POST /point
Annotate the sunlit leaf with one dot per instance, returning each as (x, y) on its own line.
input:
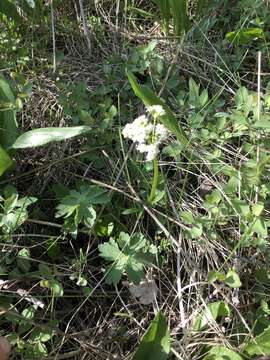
(155, 344)
(222, 353)
(212, 312)
(245, 36)
(38, 137)
(232, 279)
(260, 345)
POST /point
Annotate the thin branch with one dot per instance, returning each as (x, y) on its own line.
(85, 27)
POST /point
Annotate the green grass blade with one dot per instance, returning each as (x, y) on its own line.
(164, 7)
(180, 16)
(200, 6)
(149, 99)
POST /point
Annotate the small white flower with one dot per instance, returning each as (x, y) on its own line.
(156, 110)
(152, 151)
(145, 134)
(161, 133)
(142, 148)
(139, 130)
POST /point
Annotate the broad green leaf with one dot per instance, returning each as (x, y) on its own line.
(211, 313)
(174, 149)
(56, 288)
(149, 99)
(44, 136)
(156, 343)
(23, 260)
(9, 9)
(110, 250)
(187, 217)
(14, 210)
(260, 227)
(193, 92)
(39, 350)
(8, 123)
(196, 231)
(8, 128)
(260, 345)
(241, 206)
(257, 208)
(45, 271)
(29, 312)
(114, 273)
(222, 353)
(6, 93)
(245, 36)
(214, 276)
(41, 335)
(241, 96)
(232, 279)
(5, 161)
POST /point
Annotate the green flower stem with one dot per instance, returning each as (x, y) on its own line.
(154, 182)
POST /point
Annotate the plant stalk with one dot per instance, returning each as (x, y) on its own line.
(154, 182)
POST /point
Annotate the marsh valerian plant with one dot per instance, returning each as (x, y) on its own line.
(147, 133)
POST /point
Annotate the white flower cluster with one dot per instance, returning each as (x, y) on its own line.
(145, 133)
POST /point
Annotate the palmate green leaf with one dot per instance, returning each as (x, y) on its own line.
(222, 353)
(156, 343)
(134, 270)
(5, 161)
(129, 257)
(79, 204)
(14, 210)
(38, 137)
(110, 250)
(149, 99)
